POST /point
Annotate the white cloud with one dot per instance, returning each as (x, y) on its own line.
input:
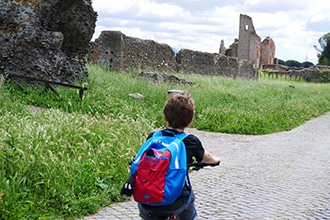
(319, 11)
(162, 10)
(275, 5)
(112, 6)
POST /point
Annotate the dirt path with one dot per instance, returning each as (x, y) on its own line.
(283, 175)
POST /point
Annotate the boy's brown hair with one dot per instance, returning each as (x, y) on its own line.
(179, 110)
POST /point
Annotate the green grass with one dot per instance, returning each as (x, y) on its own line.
(247, 107)
(71, 158)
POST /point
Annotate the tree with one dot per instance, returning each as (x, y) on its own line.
(307, 64)
(281, 62)
(324, 52)
(293, 63)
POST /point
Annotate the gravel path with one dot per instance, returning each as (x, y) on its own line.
(283, 175)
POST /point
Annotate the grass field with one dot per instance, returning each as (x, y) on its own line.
(70, 158)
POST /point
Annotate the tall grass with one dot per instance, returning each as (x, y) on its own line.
(56, 164)
(249, 107)
(70, 158)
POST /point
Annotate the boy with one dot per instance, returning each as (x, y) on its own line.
(178, 112)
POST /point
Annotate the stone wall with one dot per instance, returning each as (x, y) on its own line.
(122, 53)
(246, 70)
(229, 67)
(192, 62)
(107, 50)
(316, 74)
(46, 39)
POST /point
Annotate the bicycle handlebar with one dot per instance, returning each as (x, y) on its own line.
(201, 165)
(195, 165)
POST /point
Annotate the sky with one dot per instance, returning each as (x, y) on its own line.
(295, 26)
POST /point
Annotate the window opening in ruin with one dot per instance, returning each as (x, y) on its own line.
(246, 27)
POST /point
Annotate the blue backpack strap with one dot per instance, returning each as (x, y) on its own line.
(181, 135)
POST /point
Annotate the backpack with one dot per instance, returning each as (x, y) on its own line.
(160, 170)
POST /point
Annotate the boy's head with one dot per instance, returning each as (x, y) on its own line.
(179, 110)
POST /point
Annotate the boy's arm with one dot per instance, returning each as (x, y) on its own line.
(210, 159)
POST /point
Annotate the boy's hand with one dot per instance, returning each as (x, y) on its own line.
(210, 159)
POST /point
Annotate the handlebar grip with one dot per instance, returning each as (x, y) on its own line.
(200, 165)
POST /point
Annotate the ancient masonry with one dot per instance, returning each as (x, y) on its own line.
(119, 52)
(249, 46)
(248, 41)
(122, 53)
(242, 59)
(47, 40)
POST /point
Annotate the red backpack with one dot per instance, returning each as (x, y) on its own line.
(160, 169)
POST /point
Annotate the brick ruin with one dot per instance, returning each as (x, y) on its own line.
(262, 55)
(119, 52)
(242, 59)
(122, 53)
(267, 52)
(248, 41)
(48, 40)
(249, 46)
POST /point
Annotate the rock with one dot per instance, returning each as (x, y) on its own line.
(33, 109)
(46, 39)
(174, 91)
(163, 78)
